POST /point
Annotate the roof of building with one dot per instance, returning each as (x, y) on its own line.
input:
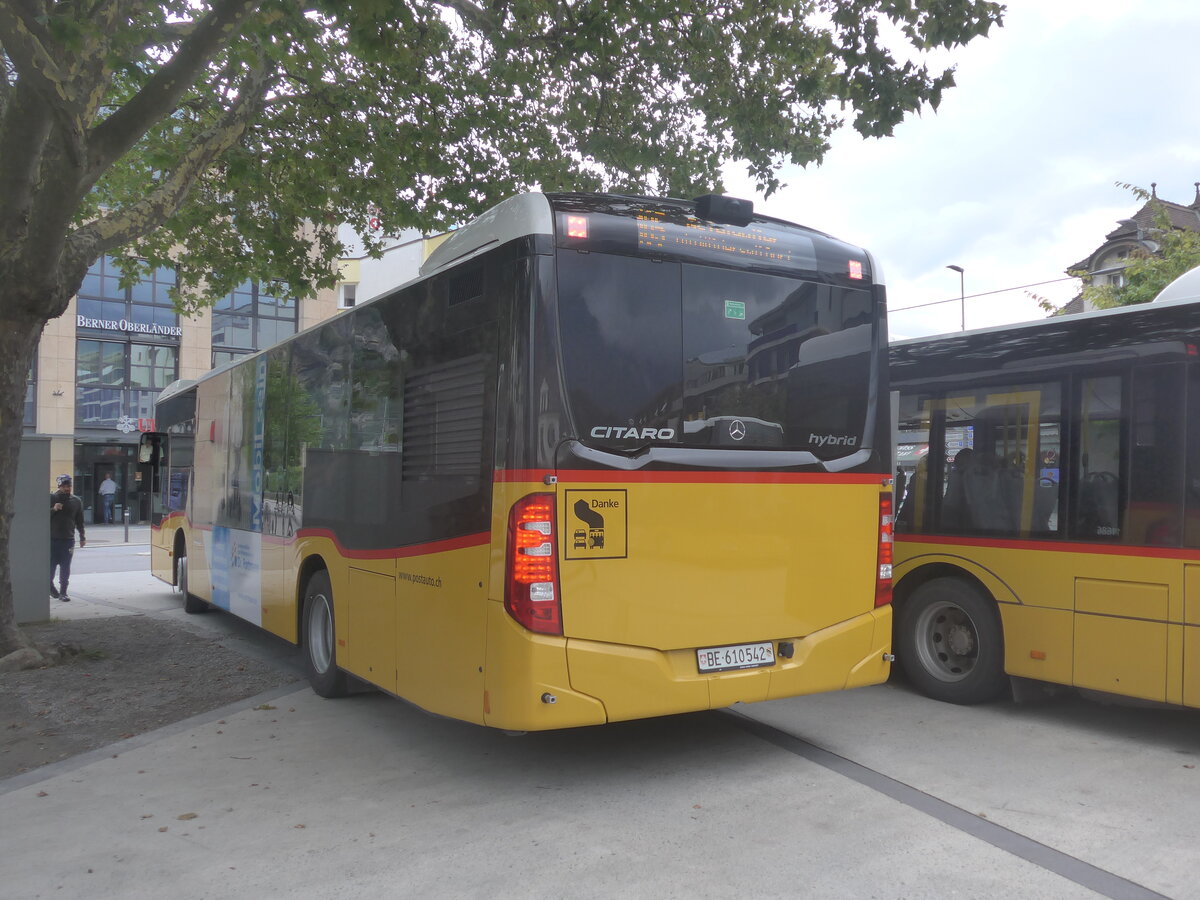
(1185, 217)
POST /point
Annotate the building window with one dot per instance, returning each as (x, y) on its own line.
(30, 419)
(147, 302)
(116, 380)
(253, 316)
(349, 293)
(220, 357)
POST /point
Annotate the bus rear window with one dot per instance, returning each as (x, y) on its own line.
(682, 354)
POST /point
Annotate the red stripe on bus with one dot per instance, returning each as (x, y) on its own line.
(620, 476)
(1051, 546)
(167, 520)
(458, 543)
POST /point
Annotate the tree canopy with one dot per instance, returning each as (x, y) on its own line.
(227, 138)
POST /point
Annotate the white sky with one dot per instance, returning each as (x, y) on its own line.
(1014, 177)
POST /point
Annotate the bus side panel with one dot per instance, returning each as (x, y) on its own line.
(279, 587)
(442, 609)
(162, 547)
(1121, 637)
(199, 554)
(366, 638)
(1115, 630)
(1191, 636)
(412, 623)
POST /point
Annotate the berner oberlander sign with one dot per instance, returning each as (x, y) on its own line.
(126, 325)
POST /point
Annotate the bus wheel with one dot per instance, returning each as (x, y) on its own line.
(320, 656)
(191, 603)
(950, 643)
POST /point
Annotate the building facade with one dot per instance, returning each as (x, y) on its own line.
(101, 365)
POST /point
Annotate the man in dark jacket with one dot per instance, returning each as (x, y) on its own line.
(66, 515)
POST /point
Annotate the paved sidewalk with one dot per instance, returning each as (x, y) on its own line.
(117, 534)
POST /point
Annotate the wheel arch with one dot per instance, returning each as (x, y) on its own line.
(919, 571)
(928, 572)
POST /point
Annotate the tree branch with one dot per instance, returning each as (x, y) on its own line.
(25, 123)
(119, 228)
(124, 128)
(32, 49)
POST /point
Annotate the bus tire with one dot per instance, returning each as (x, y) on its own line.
(950, 642)
(191, 603)
(320, 653)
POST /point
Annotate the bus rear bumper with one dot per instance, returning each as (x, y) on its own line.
(570, 682)
(636, 682)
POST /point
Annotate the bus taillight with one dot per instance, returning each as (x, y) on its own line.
(883, 578)
(531, 585)
(577, 227)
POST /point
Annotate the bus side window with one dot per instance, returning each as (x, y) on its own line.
(1191, 534)
(1096, 513)
(1001, 470)
(912, 462)
(1156, 460)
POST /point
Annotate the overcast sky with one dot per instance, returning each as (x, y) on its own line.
(1013, 178)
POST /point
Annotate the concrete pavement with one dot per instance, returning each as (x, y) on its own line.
(117, 534)
(290, 795)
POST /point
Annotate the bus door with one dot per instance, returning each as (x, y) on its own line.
(1129, 488)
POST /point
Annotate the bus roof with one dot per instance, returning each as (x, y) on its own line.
(1179, 299)
(533, 214)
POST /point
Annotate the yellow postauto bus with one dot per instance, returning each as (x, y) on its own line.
(1050, 521)
(606, 458)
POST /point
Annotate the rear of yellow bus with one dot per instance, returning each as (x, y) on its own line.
(697, 511)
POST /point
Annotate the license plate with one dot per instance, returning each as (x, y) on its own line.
(736, 656)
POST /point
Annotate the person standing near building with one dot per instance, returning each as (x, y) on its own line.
(108, 492)
(66, 516)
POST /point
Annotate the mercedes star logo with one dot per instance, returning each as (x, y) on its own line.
(737, 429)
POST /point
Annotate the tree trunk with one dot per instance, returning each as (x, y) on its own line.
(19, 334)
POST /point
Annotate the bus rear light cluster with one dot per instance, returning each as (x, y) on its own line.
(531, 582)
(577, 227)
(883, 578)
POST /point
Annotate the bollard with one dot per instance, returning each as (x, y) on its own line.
(125, 515)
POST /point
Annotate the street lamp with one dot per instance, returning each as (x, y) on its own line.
(962, 295)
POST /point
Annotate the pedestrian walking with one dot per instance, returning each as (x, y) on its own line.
(66, 517)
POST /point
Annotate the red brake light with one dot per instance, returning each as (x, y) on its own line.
(883, 578)
(855, 270)
(577, 227)
(531, 585)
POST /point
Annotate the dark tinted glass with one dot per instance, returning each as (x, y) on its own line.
(1099, 460)
(788, 360)
(1192, 490)
(660, 352)
(983, 460)
(414, 463)
(619, 319)
(1156, 460)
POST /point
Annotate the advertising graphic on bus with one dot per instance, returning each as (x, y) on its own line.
(605, 458)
